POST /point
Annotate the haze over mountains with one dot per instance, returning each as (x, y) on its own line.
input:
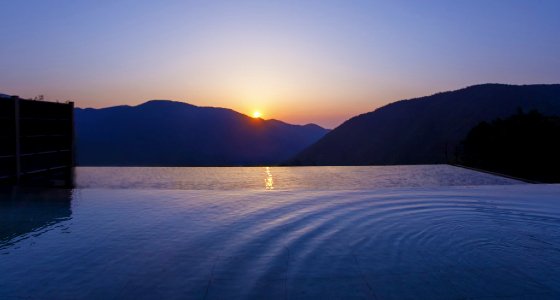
(168, 133)
(425, 130)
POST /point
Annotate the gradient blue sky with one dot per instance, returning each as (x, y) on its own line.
(298, 61)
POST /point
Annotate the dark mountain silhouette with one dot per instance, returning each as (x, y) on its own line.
(525, 145)
(168, 133)
(424, 130)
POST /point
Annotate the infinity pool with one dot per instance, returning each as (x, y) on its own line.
(429, 233)
(446, 242)
(283, 178)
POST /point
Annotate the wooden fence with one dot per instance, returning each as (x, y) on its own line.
(36, 142)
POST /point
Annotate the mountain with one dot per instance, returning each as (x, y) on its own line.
(168, 133)
(424, 130)
(4, 96)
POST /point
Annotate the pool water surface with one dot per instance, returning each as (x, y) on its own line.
(427, 242)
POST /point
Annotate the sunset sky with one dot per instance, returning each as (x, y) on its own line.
(297, 61)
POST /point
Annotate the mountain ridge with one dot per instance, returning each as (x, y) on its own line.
(175, 133)
(426, 129)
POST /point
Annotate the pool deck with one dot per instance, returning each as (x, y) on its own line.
(478, 242)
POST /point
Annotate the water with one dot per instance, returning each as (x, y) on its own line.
(283, 178)
(335, 242)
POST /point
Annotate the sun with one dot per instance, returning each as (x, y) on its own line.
(257, 114)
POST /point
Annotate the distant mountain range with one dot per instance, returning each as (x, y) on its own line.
(168, 133)
(424, 130)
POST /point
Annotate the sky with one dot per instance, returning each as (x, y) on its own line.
(298, 61)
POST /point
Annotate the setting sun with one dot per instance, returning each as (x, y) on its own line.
(257, 114)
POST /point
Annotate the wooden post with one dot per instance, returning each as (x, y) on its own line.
(72, 136)
(72, 162)
(17, 139)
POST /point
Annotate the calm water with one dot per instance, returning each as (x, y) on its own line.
(425, 241)
(283, 178)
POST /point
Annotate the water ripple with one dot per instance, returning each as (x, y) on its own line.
(258, 242)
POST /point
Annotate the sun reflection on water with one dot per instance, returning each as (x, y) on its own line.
(268, 181)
